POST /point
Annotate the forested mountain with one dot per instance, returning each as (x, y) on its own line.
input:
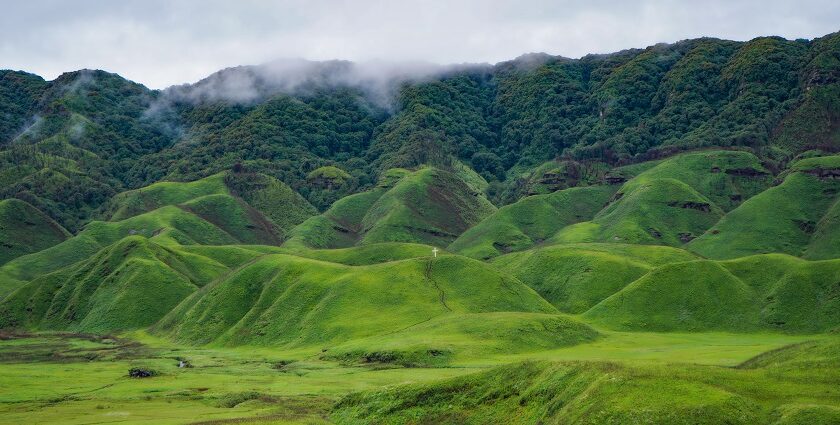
(70, 144)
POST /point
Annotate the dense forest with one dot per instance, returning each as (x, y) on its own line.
(327, 130)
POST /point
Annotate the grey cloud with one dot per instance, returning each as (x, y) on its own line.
(162, 43)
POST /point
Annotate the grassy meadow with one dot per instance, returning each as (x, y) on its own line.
(665, 294)
(76, 379)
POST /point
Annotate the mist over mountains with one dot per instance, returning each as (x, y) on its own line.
(93, 133)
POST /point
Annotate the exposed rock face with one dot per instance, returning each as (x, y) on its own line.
(699, 206)
(745, 172)
(824, 173)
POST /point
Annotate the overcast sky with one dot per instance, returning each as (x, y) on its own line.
(160, 43)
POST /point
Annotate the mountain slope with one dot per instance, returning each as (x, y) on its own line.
(530, 221)
(24, 230)
(128, 285)
(765, 292)
(430, 206)
(576, 277)
(291, 301)
(783, 218)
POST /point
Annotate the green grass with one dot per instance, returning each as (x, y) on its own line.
(659, 212)
(531, 221)
(292, 301)
(24, 230)
(459, 337)
(428, 206)
(135, 202)
(727, 178)
(338, 227)
(67, 379)
(236, 218)
(368, 254)
(766, 292)
(128, 285)
(803, 391)
(215, 219)
(167, 225)
(783, 219)
(576, 277)
(264, 204)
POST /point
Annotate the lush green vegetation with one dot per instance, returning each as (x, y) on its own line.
(431, 206)
(794, 385)
(787, 218)
(24, 230)
(649, 236)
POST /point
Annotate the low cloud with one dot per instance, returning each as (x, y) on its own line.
(160, 43)
(377, 80)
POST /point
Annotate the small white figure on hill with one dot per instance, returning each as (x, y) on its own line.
(434, 252)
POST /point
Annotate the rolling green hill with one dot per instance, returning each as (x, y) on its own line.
(530, 221)
(658, 211)
(785, 218)
(667, 202)
(127, 285)
(24, 230)
(268, 203)
(760, 293)
(576, 277)
(292, 301)
(430, 206)
(673, 201)
(450, 337)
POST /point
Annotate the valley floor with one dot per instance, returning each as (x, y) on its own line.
(79, 379)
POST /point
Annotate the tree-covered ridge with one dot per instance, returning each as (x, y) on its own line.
(70, 144)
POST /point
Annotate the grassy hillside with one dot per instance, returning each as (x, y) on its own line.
(292, 301)
(766, 292)
(168, 225)
(785, 218)
(128, 285)
(773, 390)
(727, 178)
(368, 254)
(24, 230)
(211, 211)
(530, 221)
(461, 337)
(671, 202)
(429, 206)
(576, 277)
(267, 202)
(661, 211)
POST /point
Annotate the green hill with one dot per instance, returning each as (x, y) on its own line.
(268, 203)
(466, 337)
(766, 292)
(786, 218)
(530, 221)
(24, 230)
(292, 301)
(591, 392)
(128, 285)
(658, 211)
(430, 206)
(673, 201)
(727, 178)
(576, 277)
(211, 211)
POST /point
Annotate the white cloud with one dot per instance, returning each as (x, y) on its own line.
(160, 43)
